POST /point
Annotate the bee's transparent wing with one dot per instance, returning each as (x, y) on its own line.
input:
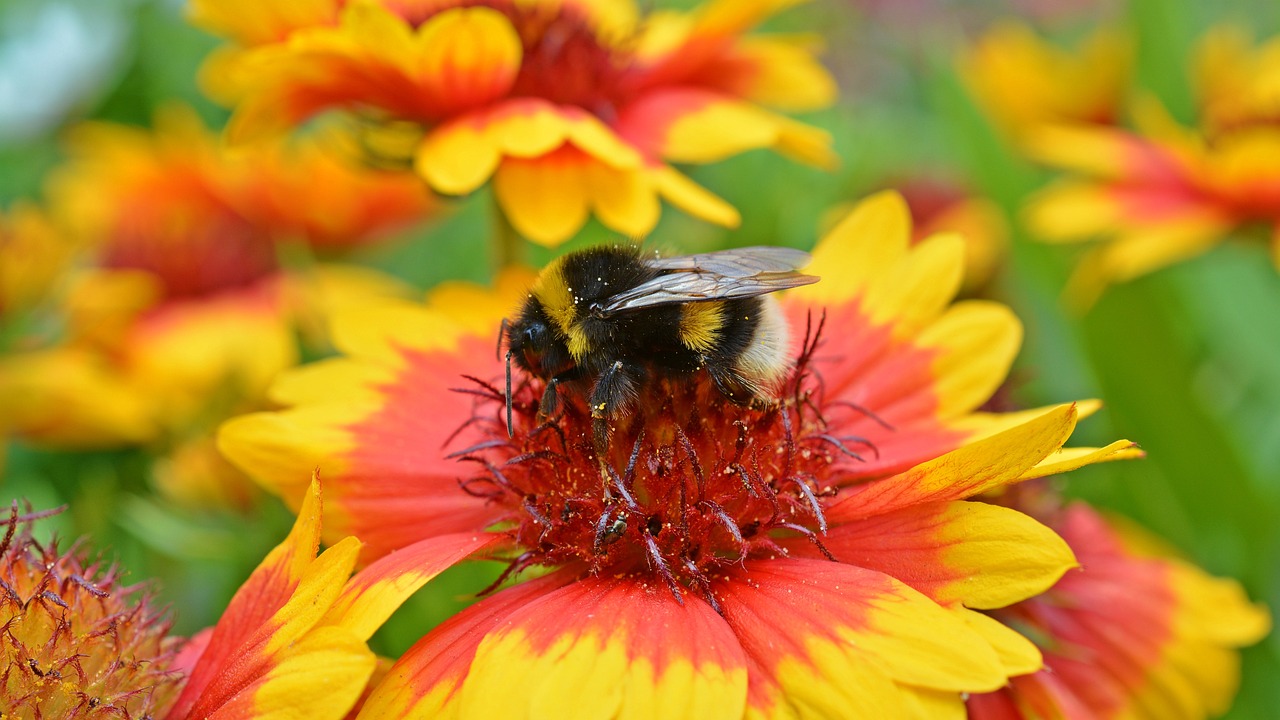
(738, 262)
(724, 275)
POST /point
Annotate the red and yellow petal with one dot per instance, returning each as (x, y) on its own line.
(1133, 633)
(530, 147)
(425, 680)
(675, 48)
(372, 423)
(775, 71)
(972, 469)
(909, 365)
(460, 59)
(293, 638)
(693, 125)
(460, 155)
(375, 592)
(276, 606)
(831, 640)
(970, 553)
(616, 647)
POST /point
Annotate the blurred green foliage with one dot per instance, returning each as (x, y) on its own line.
(1185, 359)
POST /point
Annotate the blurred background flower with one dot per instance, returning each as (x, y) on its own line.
(1135, 631)
(186, 304)
(570, 107)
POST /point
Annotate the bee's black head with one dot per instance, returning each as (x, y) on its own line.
(533, 344)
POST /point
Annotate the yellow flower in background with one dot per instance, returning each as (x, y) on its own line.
(33, 258)
(1237, 83)
(818, 558)
(571, 107)
(1165, 193)
(1023, 82)
(185, 312)
(1134, 632)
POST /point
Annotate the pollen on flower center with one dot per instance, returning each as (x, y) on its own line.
(691, 482)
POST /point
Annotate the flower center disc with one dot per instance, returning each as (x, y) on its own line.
(689, 482)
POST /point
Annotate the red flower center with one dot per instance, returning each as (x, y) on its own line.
(193, 251)
(690, 483)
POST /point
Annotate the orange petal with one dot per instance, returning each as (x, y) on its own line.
(608, 647)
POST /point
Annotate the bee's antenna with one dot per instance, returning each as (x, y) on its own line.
(510, 432)
(502, 335)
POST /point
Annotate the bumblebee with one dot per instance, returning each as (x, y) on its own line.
(607, 321)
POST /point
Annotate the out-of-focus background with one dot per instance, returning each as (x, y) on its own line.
(1187, 359)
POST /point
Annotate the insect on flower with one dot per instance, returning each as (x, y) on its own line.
(606, 322)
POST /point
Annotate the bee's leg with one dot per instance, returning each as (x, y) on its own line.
(551, 396)
(550, 399)
(613, 392)
(732, 385)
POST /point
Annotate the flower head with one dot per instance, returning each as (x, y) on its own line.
(814, 554)
(75, 639)
(1134, 632)
(186, 311)
(576, 96)
(1165, 193)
